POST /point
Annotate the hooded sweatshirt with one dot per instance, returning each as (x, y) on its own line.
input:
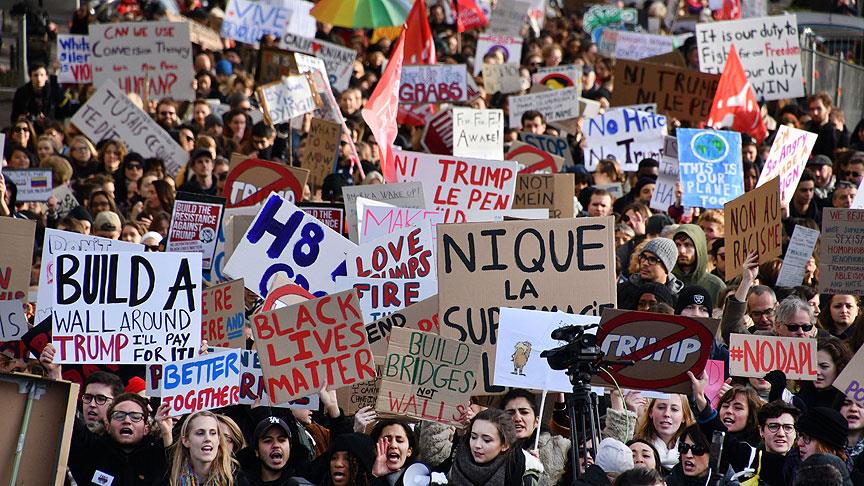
(698, 275)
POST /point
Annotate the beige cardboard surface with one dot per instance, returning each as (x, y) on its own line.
(17, 237)
(422, 316)
(319, 150)
(753, 224)
(552, 191)
(223, 314)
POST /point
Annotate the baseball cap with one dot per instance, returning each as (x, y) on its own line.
(200, 152)
(268, 422)
(820, 160)
(107, 221)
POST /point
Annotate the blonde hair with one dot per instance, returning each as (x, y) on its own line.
(713, 216)
(645, 426)
(223, 466)
(233, 431)
(206, 142)
(86, 141)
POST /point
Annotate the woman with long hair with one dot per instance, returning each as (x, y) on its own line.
(111, 154)
(552, 450)
(395, 448)
(832, 356)
(349, 461)
(694, 450)
(22, 133)
(201, 457)
(662, 424)
(841, 314)
(83, 156)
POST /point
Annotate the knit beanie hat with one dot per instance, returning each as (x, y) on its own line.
(694, 294)
(360, 446)
(613, 456)
(825, 424)
(664, 249)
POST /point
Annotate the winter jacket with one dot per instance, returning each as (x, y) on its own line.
(554, 455)
(699, 274)
(628, 290)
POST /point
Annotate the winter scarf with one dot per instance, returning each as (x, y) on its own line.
(466, 472)
(188, 478)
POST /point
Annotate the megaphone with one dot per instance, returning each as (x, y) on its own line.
(417, 474)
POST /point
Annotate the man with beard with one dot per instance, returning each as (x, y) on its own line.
(267, 461)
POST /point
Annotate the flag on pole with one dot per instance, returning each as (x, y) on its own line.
(735, 104)
(380, 111)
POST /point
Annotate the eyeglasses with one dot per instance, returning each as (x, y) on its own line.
(649, 259)
(775, 427)
(100, 399)
(697, 450)
(796, 327)
(804, 438)
(119, 416)
(756, 315)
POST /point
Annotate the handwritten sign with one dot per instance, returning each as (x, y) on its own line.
(850, 380)
(753, 223)
(502, 78)
(407, 253)
(319, 150)
(66, 200)
(252, 386)
(557, 146)
(558, 77)
(435, 83)
(841, 265)
(314, 343)
(358, 395)
(338, 60)
(202, 383)
(554, 104)
(768, 48)
(223, 315)
(381, 221)
(478, 133)
(508, 17)
(33, 184)
(710, 167)
(627, 135)
(247, 21)
(787, 158)
(754, 356)
(195, 223)
(551, 191)
(798, 254)
(126, 308)
(622, 44)
(73, 52)
(428, 377)
(422, 316)
(664, 191)
(510, 48)
(13, 320)
(383, 296)
(291, 97)
(407, 194)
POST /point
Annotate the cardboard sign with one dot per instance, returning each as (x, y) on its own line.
(428, 377)
(407, 253)
(311, 344)
(622, 44)
(508, 17)
(768, 48)
(319, 150)
(609, 16)
(798, 253)
(422, 316)
(358, 395)
(73, 53)
(457, 184)
(665, 347)
(380, 297)
(331, 214)
(274, 63)
(216, 275)
(195, 223)
(558, 77)
(13, 321)
(841, 265)
(66, 200)
(17, 236)
(678, 92)
(554, 104)
(126, 308)
(152, 59)
(787, 159)
(406, 194)
(109, 114)
(381, 221)
(557, 146)
(202, 383)
(339, 60)
(247, 21)
(292, 96)
(252, 386)
(223, 315)
(557, 265)
(250, 181)
(478, 133)
(510, 47)
(715, 369)
(664, 191)
(709, 162)
(850, 381)
(625, 134)
(283, 239)
(754, 356)
(58, 242)
(753, 223)
(433, 83)
(551, 191)
(532, 160)
(199, 33)
(502, 78)
(33, 184)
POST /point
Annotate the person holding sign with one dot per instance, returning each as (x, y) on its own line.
(552, 450)
(203, 456)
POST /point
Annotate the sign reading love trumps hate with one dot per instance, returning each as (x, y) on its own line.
(311, 344)
(202, 383)
(126, 308)
(408, 253)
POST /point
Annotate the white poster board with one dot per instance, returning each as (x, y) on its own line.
(628, 135)
(478, 133)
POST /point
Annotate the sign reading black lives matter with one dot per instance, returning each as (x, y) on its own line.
(126, 308)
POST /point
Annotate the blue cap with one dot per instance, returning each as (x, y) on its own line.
(224, 67)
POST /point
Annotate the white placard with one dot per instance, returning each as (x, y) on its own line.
(503, 78)
(436, 83)
(383, 296)
(555, 105)
(510, 47)
(478, 133)
(634, 46)
(33, 184)
(339, 60)
(406, 253)
(508, 17)
(201, 383)
(289, 98)
(798, 253)
(787, 158)
(13, 320)
(381, 221)
(248, 20)
(628, 135)
(664, 192)
(73, 54)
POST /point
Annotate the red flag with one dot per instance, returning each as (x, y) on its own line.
(380, 111)
(419, 44)
(735, 104)
(469, 16)
(731, 10)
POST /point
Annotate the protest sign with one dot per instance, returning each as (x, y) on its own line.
(57, 242)
(502, 78)
(678, 92)
(406, 253)
(73, 53)
(274, 63)
(202, 383)
(787, 158)
(339, 60)
(438, 133)
(252, 386)
(223, 314)
(557, 146)
(195, 223)
(407, 194)
(457, 184)
(34, 185)
(247, 20)
(798, 254)
(199, 33)
(709, 163)
(284, 239)
(551, 191)
(841, 264)
(753, 223)
(768, 48)
(380, 221)
(478, 133)
(125, 307)
(565, 264)
(715, 371)
(508, 17)
(533, 160)
(664, 191)
(109, 114)
(290, 97)
(649, 107)
(319, 150)
(152, 59)
(428, 377)
(250, 181)
(522, 336)
(509, 47)
(754, 356)
(664, 348)
(17, 236)
(215, 274)
(609, 15)
(422, 316)
(554, 104)
(624, 45)
(850, 380)
(558, 77)
(358, 395)
(433, 83)
(628, 135)
(382, 296)
(66, 201)
(331, 214)
(310, 344)
(13, 321)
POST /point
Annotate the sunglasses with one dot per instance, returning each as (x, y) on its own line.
(796, 327)
(697, 450)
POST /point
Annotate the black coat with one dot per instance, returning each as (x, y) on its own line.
(143, 465)
(28, 102)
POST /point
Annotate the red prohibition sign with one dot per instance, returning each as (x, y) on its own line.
(285, 181)
(689, 329)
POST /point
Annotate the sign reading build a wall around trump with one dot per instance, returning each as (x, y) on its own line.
(553, 265)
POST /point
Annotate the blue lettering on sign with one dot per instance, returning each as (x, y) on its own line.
(248, 21)
(199, 371)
